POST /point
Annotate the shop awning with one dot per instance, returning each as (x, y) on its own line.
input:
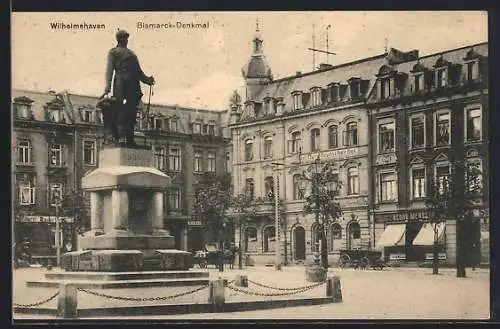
(393, 235)
(426, 235)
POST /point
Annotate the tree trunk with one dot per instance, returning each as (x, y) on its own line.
(460, 251)
(435, 260)
(221, 258)
(324, 252)
(240, 263)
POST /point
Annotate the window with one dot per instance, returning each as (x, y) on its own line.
(55, 194)
(442, 77)
(336, 231)
(419, 82)
(443, 129)
(269, 237)
(158, 123)
(174, 159)
(333, 136)
(89, 153)
(211, 129)
(335, 93)
(248, 150)
(315, 139)
(174, 198)
(298, 193)
(269, 187)
(173, 124)
(472, 70)
(24, 152)
(387, 187)
(473, 124)
(211, 161)
(352, 181)
(27, 190)
(442, 178)
(251, 234)
(159, 158)
(268, 147)
(23, 110)
(297, 101)
(294, 143)
(100, 116)
(56, 154)
(474, 176)
(351, 134)
(418, 183)
(197, 128)
(386, 137)
(198, 161)
(417, 128)
(316, 97)
(228, 161)
(249, 187)
(385, 88)
(88, 116)
(55, 115)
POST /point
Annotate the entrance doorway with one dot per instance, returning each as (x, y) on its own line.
(299, 238)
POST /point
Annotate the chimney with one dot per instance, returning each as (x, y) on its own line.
(298, 73)
(324, 66)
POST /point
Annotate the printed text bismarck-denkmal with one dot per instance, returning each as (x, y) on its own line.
(171, 25)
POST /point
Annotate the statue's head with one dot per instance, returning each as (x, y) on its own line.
(122, 37)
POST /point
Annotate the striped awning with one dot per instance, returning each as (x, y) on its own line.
(425, 236)
(393, 235)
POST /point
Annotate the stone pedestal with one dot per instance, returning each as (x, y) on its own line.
(127, 234)
(316, 273)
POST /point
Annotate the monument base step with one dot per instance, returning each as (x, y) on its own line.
(127, 260)
(118, 276)
(95, 284)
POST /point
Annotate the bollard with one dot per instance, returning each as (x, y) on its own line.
(67, 301)
(337, 290)
(216, 295)
(329, 288)
(241, 281)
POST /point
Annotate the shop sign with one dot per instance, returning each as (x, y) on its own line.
(333, 155)
(194, 223)
(383, 159)
(45, 219)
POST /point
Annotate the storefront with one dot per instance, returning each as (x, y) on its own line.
(39, 236)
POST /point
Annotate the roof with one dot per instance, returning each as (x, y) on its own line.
(257, 68)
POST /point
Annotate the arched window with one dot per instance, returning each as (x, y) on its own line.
(294, 143)
(298, 193)
(315, 139)
(351, 134)
(335, 237)
(315, 234)
(354, 235)
(248, 150)
(269, 187)
(333, 136)
(250, 238)
(268, 239)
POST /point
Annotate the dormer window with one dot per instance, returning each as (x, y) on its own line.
(335, 92)
(418, 82)
(442, 77)
(158, 123)
(472, 73)
(315, 96)
(88, 116)
(211, 129)
(355, 88)
(197, 128)
(297, 100)
(173, 124)
(22, 107)
(385, 88)
(55, 115)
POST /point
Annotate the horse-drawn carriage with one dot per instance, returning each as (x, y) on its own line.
(211, 256)
(361, 259)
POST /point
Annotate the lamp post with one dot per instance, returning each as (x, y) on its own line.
(277, 224)
(57, 205)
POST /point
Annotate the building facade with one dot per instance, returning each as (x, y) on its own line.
(427, 115)
(283, 127)
(56, 140)
(381, 123)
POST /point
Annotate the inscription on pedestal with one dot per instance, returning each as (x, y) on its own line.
(125, 157)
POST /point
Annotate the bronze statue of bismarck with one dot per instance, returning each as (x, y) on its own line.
(120, 110)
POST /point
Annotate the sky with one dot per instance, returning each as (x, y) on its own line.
(201, 67)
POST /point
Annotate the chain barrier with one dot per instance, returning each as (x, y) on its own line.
(285, 289)
(286, 293)
(145, 299)
(38, 303)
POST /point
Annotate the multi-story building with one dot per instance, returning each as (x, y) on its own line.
(427, 115)
(283, 127)
(388, 124)
(56, 140)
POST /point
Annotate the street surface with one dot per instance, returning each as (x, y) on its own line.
(395, 293)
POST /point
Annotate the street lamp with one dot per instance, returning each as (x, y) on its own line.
(57, 204)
